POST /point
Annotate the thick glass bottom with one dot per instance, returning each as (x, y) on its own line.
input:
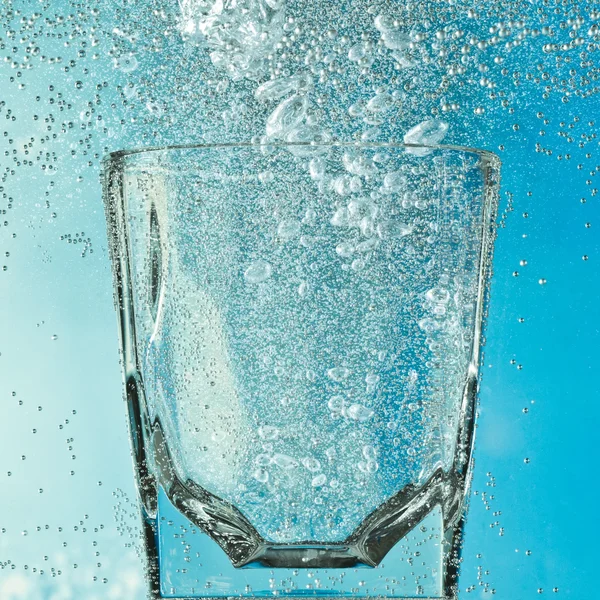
(187, 563)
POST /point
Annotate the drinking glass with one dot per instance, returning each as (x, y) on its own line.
(301, 327)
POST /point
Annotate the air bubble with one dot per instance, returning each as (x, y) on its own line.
(319, 480)
(258, 272)
(358, 412)
(338, 374)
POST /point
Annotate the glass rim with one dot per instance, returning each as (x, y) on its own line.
(128, 152)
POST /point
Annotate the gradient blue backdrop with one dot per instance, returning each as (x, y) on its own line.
(68, 506)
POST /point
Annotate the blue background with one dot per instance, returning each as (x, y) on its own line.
(68, 502)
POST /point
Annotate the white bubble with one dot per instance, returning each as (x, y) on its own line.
(312, 464)
(261, 475)
(303, 288)
(266, 176)
(357, 52)
(330, 453)
(276, 88)
(370, 452)
(367, 228)
(341, 185)
(268, 432)
(403, 61)
(429, 133)
(126, 63)
(438, 295)
(340, 217)
(396, 40)
(371, 135)
(308, 241)
(380, 103)
(262, 460)
(355, 184)
(319, 480)
(288, 229)
(358, 412)
(129, 91)
(338, 373)
(336, 404)
(345, 249)
(258, 272)
(428, 325)
(384, 23)
(381, 157)
(394, 181)
(393, 229)
(316, 168)
(284, 461)
(287, 116)
(372, 379)
(310, 216)
(357, 264)
(359, 209)
(358, 164)
(218, 436)
(367, 245)
(311, 140)
(357, 109)
(372, 466)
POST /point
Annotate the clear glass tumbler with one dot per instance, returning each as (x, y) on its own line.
(301, 328)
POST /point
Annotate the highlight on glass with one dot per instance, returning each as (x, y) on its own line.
(301, 329)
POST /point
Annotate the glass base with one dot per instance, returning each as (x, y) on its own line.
(187, 563)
